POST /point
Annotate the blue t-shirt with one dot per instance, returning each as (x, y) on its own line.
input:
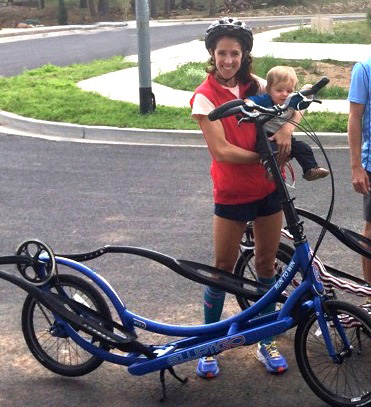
(360, 92)
(265, 100)
(275, 123)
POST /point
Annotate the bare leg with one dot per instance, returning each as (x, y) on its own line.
(227, 237)
(267, 232)
(366, 263)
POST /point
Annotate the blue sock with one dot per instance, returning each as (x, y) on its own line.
(213, 304)
(268, 282)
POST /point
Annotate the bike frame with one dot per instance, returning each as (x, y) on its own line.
(244, 328)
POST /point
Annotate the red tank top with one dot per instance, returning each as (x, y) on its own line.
(235, 183)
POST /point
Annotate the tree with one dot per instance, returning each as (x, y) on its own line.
(62, 13)
(93, 12)
(166, 8)
(212, 9)
(153, 8)
(126, 9)
(103, 7)
(83, 4)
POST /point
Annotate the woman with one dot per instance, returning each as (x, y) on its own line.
(241, 191)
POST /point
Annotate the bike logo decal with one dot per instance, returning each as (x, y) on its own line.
(284, 275)
(139, 323)
(212, 348)
(315, 267)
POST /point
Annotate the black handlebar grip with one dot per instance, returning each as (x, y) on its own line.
(218, 112)
(316, 87)
(233, 111)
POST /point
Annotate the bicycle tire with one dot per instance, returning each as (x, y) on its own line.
(245, 267)
(347, 384)
(48, 342)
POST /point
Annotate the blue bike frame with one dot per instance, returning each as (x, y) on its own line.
(245, 328)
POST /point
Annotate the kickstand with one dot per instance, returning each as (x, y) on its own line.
(162, 380)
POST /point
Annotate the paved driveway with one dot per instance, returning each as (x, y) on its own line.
(78, 197)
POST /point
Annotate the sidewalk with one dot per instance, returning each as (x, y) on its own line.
(124, 85)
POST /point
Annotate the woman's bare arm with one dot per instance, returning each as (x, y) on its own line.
(220, 148)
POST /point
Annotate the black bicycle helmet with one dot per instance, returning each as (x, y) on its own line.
(229, 26)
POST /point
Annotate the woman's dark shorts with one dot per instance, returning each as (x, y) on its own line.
(267, 206)
(367, 203)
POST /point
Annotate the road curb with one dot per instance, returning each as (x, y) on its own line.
(4, 33)
(133, 135)
(102, 133)
(14, 32)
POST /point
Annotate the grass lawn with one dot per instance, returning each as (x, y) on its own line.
(51, 93)
(354, 32)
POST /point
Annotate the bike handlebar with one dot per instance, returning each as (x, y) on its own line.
(237, 106)
(316, 87)
(219, 111)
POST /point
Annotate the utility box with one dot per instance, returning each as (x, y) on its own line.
(322, 24)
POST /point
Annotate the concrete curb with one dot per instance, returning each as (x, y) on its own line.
(13, 32)
(4, 33)
(130, 135)
(102, 133)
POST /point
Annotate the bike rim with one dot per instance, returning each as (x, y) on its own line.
(51, 337)
(347, 383)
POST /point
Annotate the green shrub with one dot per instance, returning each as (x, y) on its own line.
(354, 32)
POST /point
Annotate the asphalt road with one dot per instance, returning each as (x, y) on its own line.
(86, 46)
(78, 197)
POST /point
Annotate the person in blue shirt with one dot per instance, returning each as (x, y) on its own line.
(359, 137)
(281, 81)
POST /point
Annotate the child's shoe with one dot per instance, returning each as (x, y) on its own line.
(269, 355)
(315, 173)
(207, 367)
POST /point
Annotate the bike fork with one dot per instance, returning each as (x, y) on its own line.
(321, 310)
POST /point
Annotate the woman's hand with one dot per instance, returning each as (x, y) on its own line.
(283, 140)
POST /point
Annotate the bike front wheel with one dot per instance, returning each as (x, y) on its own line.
(47, 339)
(345, 383)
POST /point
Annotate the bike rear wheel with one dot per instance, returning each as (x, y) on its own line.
(48, 341)
(245, 267)
(343, 384)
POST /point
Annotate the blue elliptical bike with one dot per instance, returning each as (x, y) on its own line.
(332, 339)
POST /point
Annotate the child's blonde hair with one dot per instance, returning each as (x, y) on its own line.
(280, 74)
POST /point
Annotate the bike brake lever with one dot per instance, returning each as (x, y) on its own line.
(248, 118)
(317, 101)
